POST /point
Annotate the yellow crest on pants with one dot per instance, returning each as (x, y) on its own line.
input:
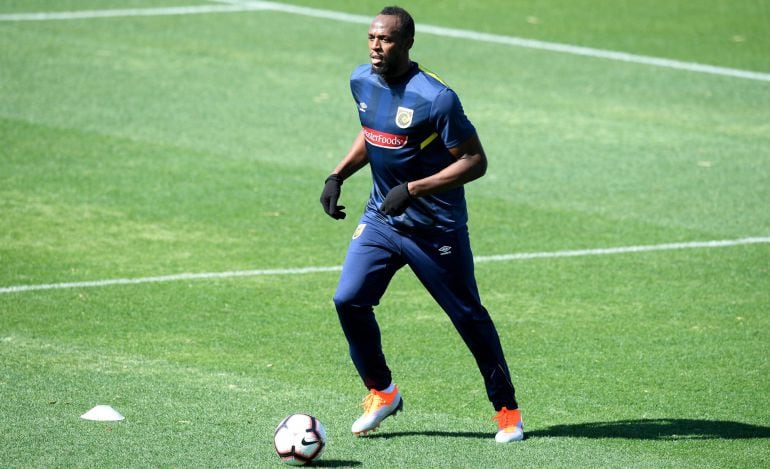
(359, 230)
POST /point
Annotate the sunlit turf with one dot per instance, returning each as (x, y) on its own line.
(140, 147)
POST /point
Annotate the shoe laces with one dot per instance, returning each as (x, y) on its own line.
(375, 399)
(507, 419)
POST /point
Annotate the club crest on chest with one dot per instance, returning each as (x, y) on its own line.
(404, 117)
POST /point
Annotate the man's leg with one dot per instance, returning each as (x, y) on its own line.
(444, 264)
(369, 266)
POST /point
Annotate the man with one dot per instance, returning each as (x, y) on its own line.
(421, 149)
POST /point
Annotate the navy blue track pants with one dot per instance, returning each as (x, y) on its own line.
(443, 262)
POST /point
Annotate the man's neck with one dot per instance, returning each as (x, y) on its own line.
(396, 76)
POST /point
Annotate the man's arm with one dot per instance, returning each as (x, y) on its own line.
(470, 163)
(355, 159)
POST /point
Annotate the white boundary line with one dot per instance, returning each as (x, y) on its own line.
(625, 249)
(231, 6)
(311, 270)
(117, 13)
(518, 42)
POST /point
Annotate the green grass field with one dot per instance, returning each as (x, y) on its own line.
(134, 147)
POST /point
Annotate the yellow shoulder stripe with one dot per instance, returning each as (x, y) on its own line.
(428, 72)
(427, 141)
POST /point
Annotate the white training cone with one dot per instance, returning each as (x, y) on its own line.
(102, 413)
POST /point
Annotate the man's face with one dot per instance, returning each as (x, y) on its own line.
(388, 50)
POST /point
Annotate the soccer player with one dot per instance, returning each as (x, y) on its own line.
(421, 149)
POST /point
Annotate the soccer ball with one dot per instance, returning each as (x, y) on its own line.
(299, 439)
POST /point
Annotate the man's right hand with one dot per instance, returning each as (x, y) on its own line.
(330, 196)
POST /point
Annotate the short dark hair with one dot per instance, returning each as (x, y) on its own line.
(406, 23)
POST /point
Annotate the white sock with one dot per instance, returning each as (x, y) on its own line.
(389, 388)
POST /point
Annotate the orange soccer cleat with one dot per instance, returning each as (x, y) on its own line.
(510, 426)
(378, 405)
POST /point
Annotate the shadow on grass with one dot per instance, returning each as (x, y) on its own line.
(335, 463)
(658, 429)
(436, 433)
(648, 429)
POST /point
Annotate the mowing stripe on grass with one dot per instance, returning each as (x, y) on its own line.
(232, 6)
(310, 270)
(518, 42)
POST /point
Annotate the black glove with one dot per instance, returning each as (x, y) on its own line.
(397, 200)
(331, 195)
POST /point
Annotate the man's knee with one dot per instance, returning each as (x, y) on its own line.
(348, 304)
(342, 301)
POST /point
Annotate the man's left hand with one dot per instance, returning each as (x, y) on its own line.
(397, 200)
